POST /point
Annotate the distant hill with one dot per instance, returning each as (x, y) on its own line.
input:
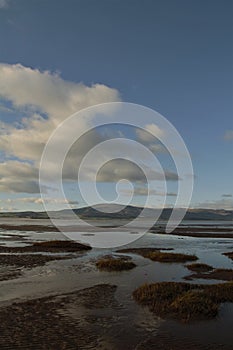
(128, 212)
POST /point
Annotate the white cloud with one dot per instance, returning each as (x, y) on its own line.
(150, 132)
(228, 136)
(4, 209)
(42, 92)
(16, 176)
(49, 92)
(114, 170)
(111, 171)
(46, 100)
(152, 142)
(4, 4)
(226, 204)
(38, 200)
(143, 191)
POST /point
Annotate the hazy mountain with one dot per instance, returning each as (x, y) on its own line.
(128, 212)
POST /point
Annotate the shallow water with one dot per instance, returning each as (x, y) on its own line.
(132, 322)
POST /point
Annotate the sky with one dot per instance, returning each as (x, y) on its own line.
(173, 56)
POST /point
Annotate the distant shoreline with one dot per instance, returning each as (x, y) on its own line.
(121, 212)
(189, 231)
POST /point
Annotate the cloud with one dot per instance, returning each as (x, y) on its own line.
(4, 4)
(226, 204)
(38, 200)
(227, 195)
(138, 191)
(16, 176)
(3, 209)
(118, 169)
(19, 186)
(17, 169)
(228, 136)
(46, 100)
(39, 93)
(112, 170)
(48, 92)
(146, 134)
(152, 142)
(143, 191)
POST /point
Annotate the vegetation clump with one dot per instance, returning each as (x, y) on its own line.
(63, 245)
(199, 267)
(55, 246)
(203, 232)
(215, 274)
(184, 301)
(229, 255)
(141, 251)
(170, 257)
(156, 255)
(110, 263)
(193, 305)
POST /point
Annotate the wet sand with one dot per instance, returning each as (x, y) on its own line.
(29, 260)
(47, 323)
(9, 273)
(166, 340)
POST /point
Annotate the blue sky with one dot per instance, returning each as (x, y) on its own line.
(174, 56)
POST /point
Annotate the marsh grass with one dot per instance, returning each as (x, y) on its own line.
(63, 245)
(199, 267)
(110, 263)
(170, 257)
(156, 255)
(184, 301)
(229, 255)
(193, 305)
(55, 246)
(215, 274)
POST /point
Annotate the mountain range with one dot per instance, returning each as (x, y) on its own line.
(123, 212)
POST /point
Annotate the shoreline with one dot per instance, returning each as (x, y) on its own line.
(189, 231)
